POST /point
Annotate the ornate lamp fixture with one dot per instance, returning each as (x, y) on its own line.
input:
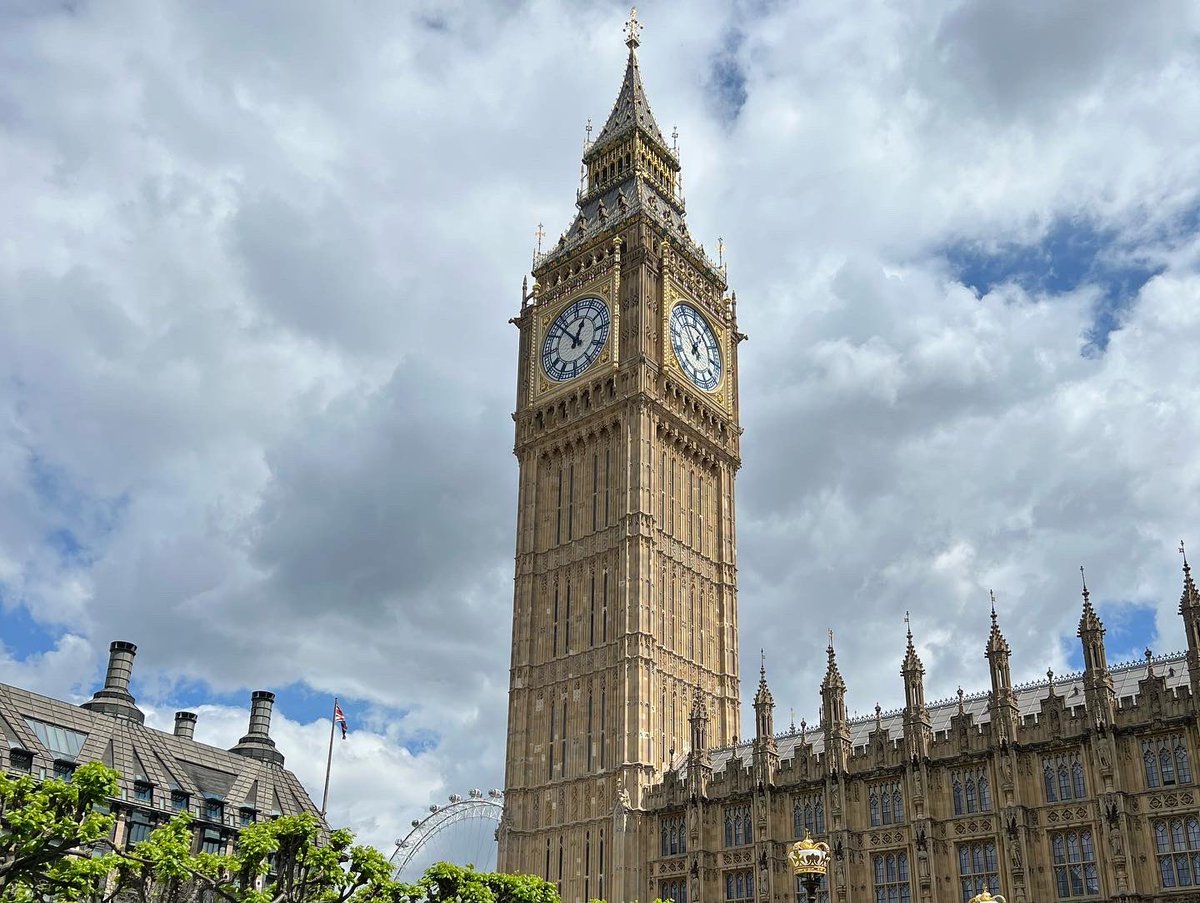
(809, 861)
(986, 897)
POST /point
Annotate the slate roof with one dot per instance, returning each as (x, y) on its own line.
(141, 753)
(1125, 678)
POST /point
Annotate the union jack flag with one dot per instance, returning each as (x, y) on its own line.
(339, 718)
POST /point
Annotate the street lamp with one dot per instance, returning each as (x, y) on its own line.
(986, 897)
(809, 861)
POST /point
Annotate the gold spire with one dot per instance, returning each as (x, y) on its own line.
(633, 30)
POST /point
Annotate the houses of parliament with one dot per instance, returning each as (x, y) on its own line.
(625, 775)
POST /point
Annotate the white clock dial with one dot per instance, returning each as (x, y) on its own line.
(695, 346)
(575, 339)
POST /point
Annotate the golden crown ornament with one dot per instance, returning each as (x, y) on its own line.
(986, 897)
(808, 857)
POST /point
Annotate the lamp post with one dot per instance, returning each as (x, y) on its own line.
(986, 897)
(809, 861)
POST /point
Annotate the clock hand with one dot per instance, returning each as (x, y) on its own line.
(575, 341)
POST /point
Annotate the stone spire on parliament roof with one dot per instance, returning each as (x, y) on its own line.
(1089, 621)
(1189, 598)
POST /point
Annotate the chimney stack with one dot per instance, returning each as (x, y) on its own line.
(257, 744)
(185, 725)
(114, 697)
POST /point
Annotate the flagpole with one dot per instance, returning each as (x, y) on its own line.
(329, 759)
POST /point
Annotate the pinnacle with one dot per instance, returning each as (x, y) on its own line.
(631, 109)
(833, 677)
(1189, 599)
(996, 641)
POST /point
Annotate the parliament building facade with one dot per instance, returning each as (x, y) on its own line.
(625, 777)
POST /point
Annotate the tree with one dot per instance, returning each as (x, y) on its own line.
(48, 830)
(447, 883)
(56, 842)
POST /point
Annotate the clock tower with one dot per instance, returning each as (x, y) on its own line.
(625, 597)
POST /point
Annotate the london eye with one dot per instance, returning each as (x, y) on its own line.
(463, 832)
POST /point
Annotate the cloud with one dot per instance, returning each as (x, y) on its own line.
(256, 371)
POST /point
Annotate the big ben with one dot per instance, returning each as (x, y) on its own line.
(627, 439)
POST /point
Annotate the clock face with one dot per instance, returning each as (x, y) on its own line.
(695, 347)
(575, 339)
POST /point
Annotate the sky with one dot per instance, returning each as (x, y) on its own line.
(257, 263)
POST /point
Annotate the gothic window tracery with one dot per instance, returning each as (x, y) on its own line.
(1074, 856)
(738, 830)
(971, 791)
(1062, 777)
(1166, 761)
(674, 836)
(808, 814)
(1177, 845)
(891, 878)
(886, 804)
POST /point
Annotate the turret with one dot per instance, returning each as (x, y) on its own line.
(766, 753)
(917, 726)
(833, 714)
(1189, 609)
(1097, 682)
(1004, 699)
(699, 762)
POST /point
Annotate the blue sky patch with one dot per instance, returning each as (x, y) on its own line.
(23, 635)
(1129, 627)
(727, 80)
(1073, 253)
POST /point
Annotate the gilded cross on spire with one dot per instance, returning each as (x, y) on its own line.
(633, 29)
(539, 235)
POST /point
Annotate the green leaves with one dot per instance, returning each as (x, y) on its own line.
(56, 842)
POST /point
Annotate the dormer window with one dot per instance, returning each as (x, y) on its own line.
(214, 810)
(179, 800)
(246, 816)
(20, 760)
(143, 792)
(63, 769)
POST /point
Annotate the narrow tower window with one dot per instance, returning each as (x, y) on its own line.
(571, 502)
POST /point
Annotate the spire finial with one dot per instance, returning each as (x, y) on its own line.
(587, 141)
(961, 707)
(803, 731)
(793, 728)
(1183, 551)
(1083, 577)
(675, 139)
(908, 626)
(1050, 678)
(992, 596)
(830, 648)
(633, 30)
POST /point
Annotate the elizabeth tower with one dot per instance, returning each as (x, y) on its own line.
(625, 599)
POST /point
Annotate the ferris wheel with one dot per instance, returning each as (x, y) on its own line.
(462, 832)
